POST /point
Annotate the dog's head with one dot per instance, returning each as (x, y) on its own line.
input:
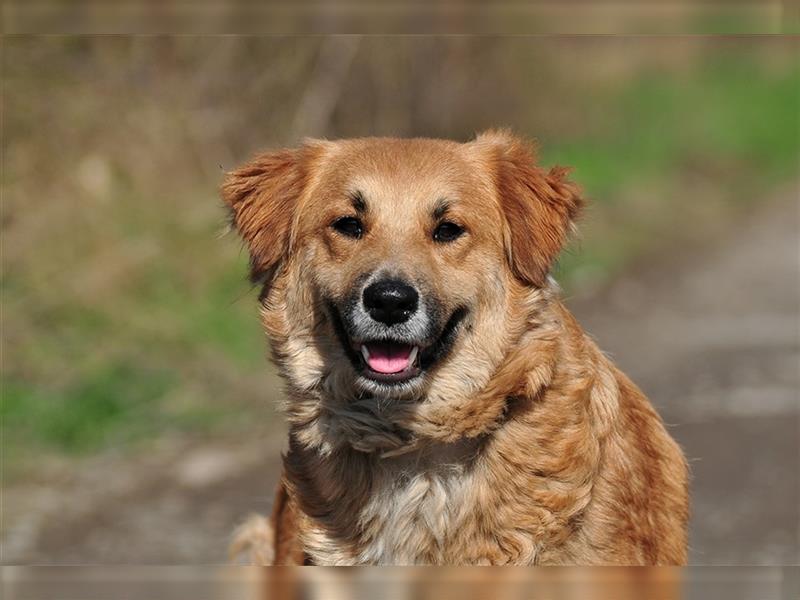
(395, 268)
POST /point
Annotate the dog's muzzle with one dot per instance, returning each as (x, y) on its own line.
(391, 334)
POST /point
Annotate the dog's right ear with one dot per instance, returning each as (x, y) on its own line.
(262, 196)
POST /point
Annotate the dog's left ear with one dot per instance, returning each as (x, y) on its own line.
(262, 196)
(539, 205)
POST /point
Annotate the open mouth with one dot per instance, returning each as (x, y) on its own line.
(392, 361)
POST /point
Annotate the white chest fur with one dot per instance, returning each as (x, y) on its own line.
(416, 505)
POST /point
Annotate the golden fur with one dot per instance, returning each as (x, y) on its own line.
(524, 445)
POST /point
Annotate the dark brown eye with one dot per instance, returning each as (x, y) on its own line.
(447, 232)
(349, 226)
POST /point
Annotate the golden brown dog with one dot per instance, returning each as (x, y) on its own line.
(444, 407)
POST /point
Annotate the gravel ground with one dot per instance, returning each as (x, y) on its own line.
(710, 333)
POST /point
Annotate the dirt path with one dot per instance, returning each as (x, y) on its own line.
(712, 337)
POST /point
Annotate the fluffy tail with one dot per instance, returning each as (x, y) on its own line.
(253, 542)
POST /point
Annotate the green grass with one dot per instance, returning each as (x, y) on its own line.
(723, 116)
(730, 123)
(114, 401)
(167, 345)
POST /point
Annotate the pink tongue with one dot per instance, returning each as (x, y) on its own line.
(388, 358)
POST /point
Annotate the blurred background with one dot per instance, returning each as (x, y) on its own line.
(138, 408)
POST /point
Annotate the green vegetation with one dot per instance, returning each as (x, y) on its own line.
(726, 121)
(731, 117)
(126, 316)
(116, 400)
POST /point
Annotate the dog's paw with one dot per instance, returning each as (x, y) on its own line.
(253, 542)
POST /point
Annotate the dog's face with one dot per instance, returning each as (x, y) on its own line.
(398, 251)
(396, 264)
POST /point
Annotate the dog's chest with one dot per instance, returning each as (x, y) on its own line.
(443, 508)
(410, 518)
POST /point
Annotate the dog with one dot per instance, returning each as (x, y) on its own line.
(444, 407)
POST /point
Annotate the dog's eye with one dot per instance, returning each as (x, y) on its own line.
(447, 232)
(349, 226)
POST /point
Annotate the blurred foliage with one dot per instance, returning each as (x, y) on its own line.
(127, 316)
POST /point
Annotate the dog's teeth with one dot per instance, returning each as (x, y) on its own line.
(413, 356)
(364, 352)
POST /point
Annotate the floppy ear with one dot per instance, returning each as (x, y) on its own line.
(539, 205)
(262, 196)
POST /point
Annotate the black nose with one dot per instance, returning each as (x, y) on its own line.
(390, 301)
